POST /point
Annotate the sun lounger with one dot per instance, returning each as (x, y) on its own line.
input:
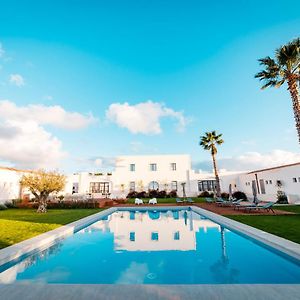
(153, 201)
(138, 201)
(178, 200)
(267, 207)
(190, 200)
(237, 203)
(209, 200)
(223, 202)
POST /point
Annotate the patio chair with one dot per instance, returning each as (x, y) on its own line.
(267, 207)
(178, 200)
(138, 201)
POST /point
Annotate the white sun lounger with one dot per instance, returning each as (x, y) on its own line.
(153, 201)
(138, 201)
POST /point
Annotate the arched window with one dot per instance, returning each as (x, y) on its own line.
(153, 185)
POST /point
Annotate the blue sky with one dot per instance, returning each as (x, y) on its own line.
(182, 67)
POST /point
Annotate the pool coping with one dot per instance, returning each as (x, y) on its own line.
(49, 238)
(150, 292)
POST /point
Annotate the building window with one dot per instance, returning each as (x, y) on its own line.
(267, 182)
(294, 179)
(75, 188)
(132, 186)
(298, 179)
(176, 236)
(99, 187)
(173, 166)
(132, 236)
(154, 236)
(153, 167)
(132, 167)
(206, 185)
(262, 186)
(270, 181)
(153, 185)
(174, 185)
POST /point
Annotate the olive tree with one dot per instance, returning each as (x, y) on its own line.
(41, 184)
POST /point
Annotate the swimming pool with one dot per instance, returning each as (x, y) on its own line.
(161, 246)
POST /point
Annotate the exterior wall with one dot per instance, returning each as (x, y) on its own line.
(285, 174)
(84, 180)
(119, 181)
(142, 176)
(9, 184)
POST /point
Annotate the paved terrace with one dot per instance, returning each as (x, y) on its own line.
(220, 210)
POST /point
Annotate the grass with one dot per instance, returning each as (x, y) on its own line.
(17, 225)
(167, 200)
(286, 226)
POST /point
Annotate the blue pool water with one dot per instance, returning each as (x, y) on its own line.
(154, 247)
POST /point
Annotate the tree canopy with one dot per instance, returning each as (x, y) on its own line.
(41, 184)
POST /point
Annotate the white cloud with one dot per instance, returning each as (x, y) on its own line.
(252, 160)
(23, 140)
(17, 80)
(143, 117)
(45, 115)
(29, 145)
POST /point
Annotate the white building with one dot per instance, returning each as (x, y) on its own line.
(142, 173)
(10, 183)
(268, 181)
(164, 172)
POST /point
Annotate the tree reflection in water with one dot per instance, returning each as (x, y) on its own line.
(221, 270)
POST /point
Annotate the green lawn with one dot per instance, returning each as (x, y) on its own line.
(17, 225)
(167, 200)
(287, 226)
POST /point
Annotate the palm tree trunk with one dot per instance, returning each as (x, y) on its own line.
(294, 91)
(216, 175)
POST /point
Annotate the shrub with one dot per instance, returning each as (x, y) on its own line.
(224, 195)
(239, 195)
(162, 194)
(71, 204)
(153, 194)
(142, 194)
(132, 194)
(282, 198)
(172, 194)
(206, 194)
(3, 206)
(10, 204)
(15, 202)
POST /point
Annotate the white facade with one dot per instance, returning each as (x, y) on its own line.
(266, 180)
(163, 172)
(141, 173)
(10, 183)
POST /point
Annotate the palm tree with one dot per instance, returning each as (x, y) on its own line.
(209, 142)
(284, 68)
